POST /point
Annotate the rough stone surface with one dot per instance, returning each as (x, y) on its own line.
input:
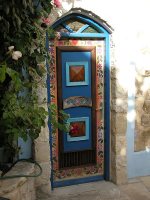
(119, 145)
(117, 90)
(44, 179)
(146, 106)
(121, 175)
(135, 189)
(44, 135)
(118, 123)
(139, 108)
(42, 151)
(142, 106)
(148, 94)
(19, 188)
(97, 191)
(119, 169)
(145, 119)
(119, 105)
(113, 165)
(118, 148)
(14, 195)
(41, 145)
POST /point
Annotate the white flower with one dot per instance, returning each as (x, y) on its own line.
(16, 55)
(58, 35)
(11, 48)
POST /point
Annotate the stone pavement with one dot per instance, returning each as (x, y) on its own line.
(136, 189)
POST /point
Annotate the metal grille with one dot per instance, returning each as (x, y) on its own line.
(71, 159)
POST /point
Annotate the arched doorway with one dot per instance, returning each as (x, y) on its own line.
(80, 85)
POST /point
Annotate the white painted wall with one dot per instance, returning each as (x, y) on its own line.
(130, 20)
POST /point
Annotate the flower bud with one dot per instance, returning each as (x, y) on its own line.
(47, 21)
(57, 3)
(11, 48)
(57, 35)
(16, 55)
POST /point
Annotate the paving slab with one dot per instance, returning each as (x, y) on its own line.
(146, 181)
(90, 191)
(136, 191)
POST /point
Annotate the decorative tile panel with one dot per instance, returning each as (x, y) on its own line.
(77, 101)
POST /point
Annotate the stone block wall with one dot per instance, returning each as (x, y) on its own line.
(19, 188)
(119, 109)
(42, 156)
(41, 145)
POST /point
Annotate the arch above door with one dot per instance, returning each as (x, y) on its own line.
(83, 46)
(99, 27)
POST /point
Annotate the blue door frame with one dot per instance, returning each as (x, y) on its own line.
(105, 35)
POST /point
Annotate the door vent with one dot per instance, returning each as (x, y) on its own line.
(72, 159)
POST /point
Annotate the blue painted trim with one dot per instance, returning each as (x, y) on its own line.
(79, 119)
(93, 24)
(107, 111)
(78, 83)
(86, 19)
(49, 123)
(78, 181)
(83, 28)
(83, 35)
(67, 27)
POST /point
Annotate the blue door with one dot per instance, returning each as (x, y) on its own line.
(76, 96)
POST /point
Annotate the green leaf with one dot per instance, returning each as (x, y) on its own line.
(19, 104)
(2, 73)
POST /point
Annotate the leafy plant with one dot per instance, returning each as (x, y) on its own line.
(59, 120)
(22, 66)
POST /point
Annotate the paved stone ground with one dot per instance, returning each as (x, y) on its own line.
(136, 189)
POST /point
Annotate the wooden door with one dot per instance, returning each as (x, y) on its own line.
(77, 97)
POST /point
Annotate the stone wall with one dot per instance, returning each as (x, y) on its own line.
(42, 147)
(142, 105)
(19, 188)
(119, 108)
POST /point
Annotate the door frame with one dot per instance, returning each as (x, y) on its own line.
(106, 176)
(106, 37)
